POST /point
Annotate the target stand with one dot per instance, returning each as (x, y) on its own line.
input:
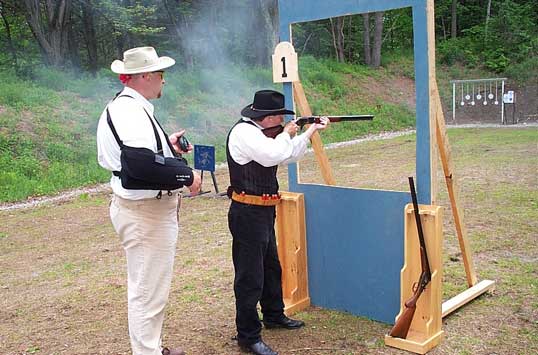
(478, 93)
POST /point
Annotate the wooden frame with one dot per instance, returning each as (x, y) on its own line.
(349, 239)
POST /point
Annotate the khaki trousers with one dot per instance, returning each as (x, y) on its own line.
(148, 232)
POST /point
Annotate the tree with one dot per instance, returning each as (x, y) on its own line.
(10, 45)
(269, 14)
(372, 49)
(90, 40)
(366, 39)
(48, 21)
(378, 39)
(453, 19)
(337, 30)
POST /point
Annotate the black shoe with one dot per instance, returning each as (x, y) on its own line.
(283, 322)
(259, 348)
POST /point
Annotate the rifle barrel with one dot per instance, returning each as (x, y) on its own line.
(351, 118)
(301, 121)
(424, 260)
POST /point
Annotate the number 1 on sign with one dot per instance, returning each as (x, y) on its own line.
(285, 64)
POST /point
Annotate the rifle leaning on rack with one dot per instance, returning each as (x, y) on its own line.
(401, 328)
(274, 131)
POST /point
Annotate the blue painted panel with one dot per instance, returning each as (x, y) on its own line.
(292, 11)
(355, 249)
(423, 167)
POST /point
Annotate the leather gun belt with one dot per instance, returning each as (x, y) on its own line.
(264, 200)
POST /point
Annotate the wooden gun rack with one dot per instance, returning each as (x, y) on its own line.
(425, 330)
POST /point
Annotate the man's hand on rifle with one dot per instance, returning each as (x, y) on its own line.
(323, 123)
(291, 128)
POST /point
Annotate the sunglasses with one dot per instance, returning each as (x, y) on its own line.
(159, 72)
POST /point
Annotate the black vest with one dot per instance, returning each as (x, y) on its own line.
(252, 178)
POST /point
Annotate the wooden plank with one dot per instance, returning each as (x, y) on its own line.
(466, 296)
(453, 189)
(432, 82)
(317, 145)
(290, 227)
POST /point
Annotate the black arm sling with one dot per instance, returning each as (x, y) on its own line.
(144, 169)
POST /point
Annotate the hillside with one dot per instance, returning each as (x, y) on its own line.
(49, 118)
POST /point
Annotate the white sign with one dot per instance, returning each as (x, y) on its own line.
(285, 66)
(509, 97)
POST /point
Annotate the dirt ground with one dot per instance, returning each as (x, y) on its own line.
(63, 282)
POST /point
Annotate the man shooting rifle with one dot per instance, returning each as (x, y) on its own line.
(401, 328)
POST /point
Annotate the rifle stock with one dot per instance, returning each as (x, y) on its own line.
(401, 327)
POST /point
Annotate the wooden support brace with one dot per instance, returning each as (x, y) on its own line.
(317, 145)
(475, 289)
(453, 189)
(467, 296)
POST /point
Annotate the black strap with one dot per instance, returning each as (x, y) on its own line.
(167, 140)
(155, 132)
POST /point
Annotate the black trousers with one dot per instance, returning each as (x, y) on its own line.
(258, 275)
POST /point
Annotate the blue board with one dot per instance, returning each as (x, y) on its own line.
(355, 236)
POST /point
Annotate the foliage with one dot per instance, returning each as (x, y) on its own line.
(507, 38)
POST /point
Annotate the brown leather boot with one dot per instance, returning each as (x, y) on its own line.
(176, 351)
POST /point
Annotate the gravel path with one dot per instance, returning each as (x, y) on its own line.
(70, 194)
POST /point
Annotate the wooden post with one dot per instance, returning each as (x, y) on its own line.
(290, 229)
(431, 100)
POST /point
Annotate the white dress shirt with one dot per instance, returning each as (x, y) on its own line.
(135, 130)
(247, 142)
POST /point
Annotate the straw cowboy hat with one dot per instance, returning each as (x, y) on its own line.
(141, 60)
(266, 103)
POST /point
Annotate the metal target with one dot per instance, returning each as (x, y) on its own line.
(477, 93)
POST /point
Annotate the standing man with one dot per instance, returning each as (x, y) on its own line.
(253, 159)
(145, 220)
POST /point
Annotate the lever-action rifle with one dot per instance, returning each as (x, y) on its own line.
(401, 328)
(274, 131)
(301, 121)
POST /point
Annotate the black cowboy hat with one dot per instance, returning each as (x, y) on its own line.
(266, 103)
